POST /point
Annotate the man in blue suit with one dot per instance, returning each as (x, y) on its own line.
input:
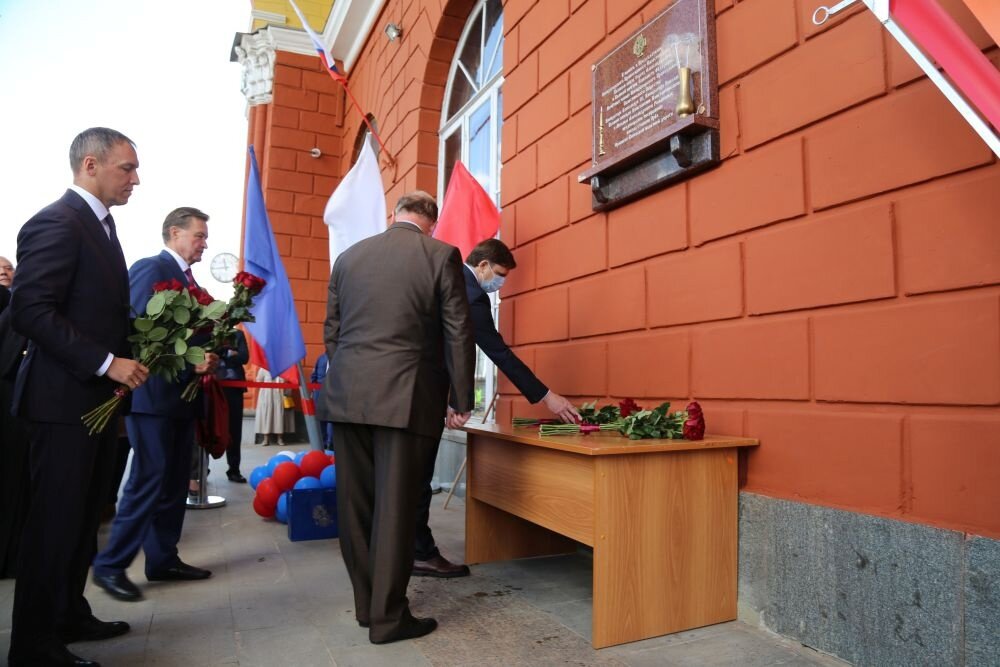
(161, 431)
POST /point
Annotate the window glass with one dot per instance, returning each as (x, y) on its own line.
(470, 132)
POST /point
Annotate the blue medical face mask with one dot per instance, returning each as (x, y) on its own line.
(494, 283)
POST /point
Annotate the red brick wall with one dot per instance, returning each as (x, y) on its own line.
(833, 288)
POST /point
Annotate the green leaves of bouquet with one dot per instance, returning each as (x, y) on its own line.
(608, 414)
(656, 423)
(171, 317)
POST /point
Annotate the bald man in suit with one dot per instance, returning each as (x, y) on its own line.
(399, 338)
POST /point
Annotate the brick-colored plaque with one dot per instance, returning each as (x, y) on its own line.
(658, 83)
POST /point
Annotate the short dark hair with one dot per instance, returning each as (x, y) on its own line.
(181, 218)
(96, 141)
(493, 251)
(420, 203)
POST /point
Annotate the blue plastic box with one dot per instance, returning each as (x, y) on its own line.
(312, 514)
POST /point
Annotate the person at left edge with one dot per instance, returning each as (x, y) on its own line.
(71, 301)
(161, 431)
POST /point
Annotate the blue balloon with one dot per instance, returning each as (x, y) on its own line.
(328, 478)
(276, 461)
(328, 452)
(281, 513)
(307, 483)
(299, 456)
(259, 474)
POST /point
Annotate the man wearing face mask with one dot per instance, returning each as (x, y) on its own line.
(486, 267)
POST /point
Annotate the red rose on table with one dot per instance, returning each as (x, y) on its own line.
(164, 285)
(628, 406)
(694, 426)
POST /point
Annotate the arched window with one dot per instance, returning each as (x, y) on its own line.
(470, 129)
(364, 133)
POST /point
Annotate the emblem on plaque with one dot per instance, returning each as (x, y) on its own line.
(639, 46)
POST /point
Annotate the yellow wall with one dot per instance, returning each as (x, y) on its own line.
(316, 12)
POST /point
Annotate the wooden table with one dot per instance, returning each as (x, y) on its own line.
(661, 516)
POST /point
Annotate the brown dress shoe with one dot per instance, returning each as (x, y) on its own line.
(439, 566)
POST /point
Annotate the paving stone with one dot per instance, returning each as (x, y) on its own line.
(275, 602)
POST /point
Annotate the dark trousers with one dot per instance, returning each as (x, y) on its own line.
(121, 462)
(234, 399)
(425, 548)
(70, 475)
(378, 484)
(151, 510)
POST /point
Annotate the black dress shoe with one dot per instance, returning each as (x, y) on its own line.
(118, 586)
(179, 572)
(93, 629)
(440, 567)
(55, 655)
(236, 477)
(417, 627)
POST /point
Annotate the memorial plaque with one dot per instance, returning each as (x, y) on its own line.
(655, 94)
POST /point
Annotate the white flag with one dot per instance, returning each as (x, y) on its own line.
(356, 209)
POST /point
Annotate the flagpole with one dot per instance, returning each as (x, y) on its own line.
(309, 410)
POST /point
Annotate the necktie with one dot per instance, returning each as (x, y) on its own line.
(113, 237)
(190, 277)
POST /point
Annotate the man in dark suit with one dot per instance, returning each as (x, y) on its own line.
(70, 300)
(399, 340)
(486, 267)
(232, 357)
(161, 431)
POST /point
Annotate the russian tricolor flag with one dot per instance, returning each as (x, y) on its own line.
(327, 58)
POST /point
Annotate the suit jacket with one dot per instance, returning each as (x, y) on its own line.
(157, 396)
(398, 333)
(12, 349)
(492, 344)
(70, 299)
(231, 366)
(320, 369)
(4, 298)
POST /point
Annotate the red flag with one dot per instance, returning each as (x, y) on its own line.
(943, 39)
(468, 214)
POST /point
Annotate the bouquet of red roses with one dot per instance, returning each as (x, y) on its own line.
(160, 342)
(245, 287)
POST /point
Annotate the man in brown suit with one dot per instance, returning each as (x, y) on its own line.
(399, 339)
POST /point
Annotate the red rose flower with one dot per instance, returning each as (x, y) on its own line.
(200, 295)
(253, 283)
(165, 285)
(694, 427)
(628, 406)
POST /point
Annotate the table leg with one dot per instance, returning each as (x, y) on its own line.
(665, 543)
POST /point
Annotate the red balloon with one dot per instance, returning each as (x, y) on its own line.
(285, 475)
(262, 508)
(333, 459)
(312, 464)
(268, 492)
